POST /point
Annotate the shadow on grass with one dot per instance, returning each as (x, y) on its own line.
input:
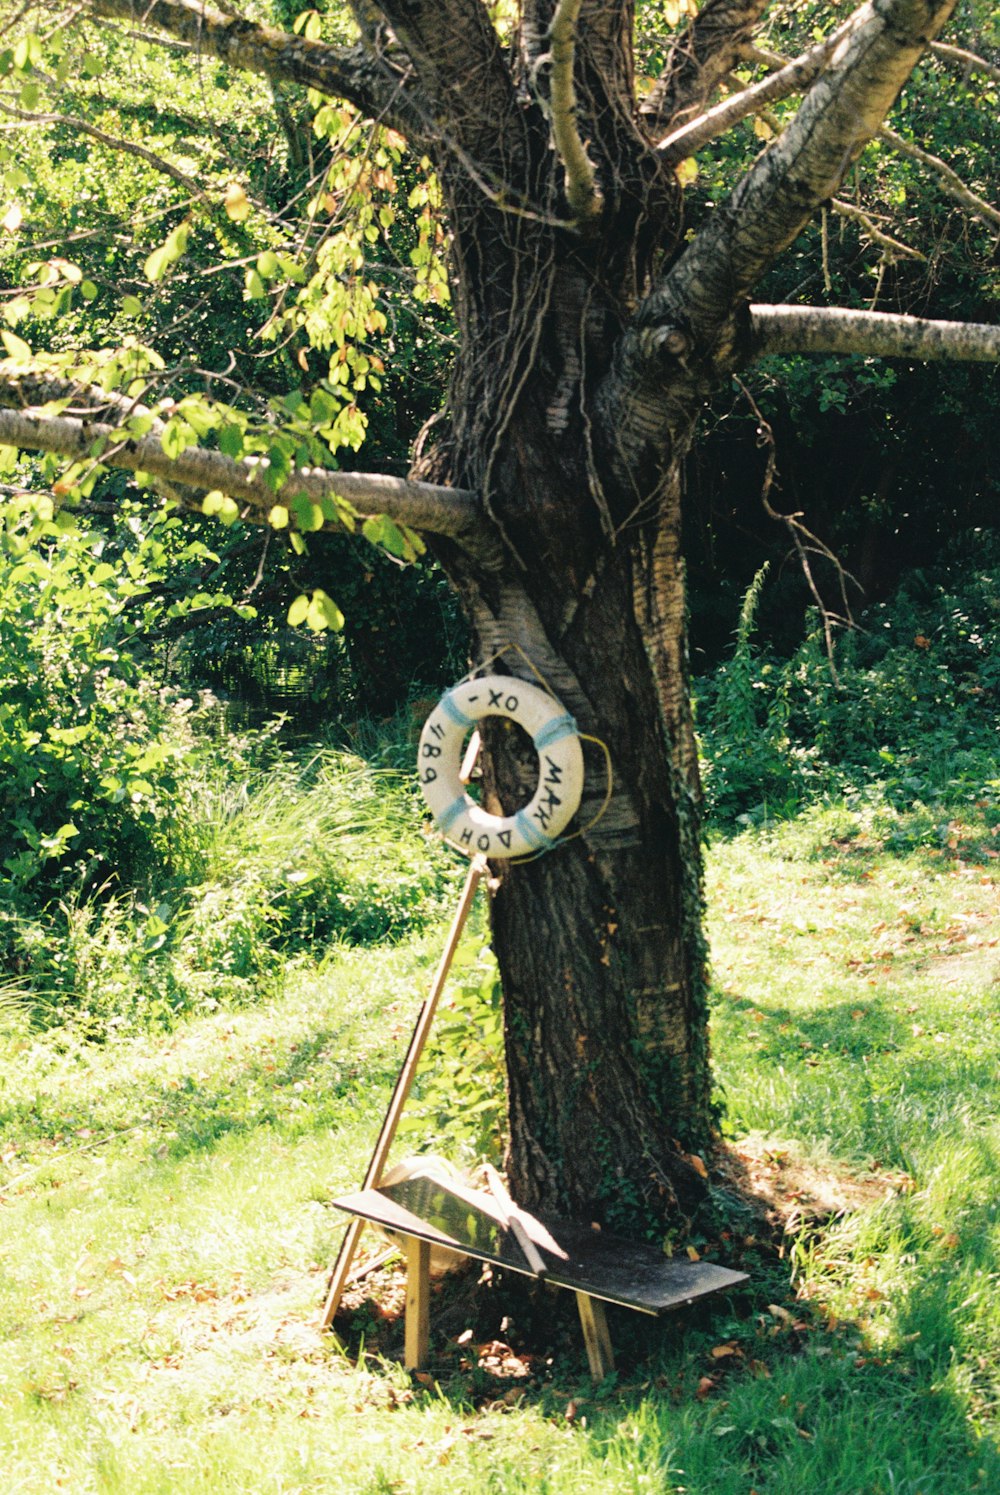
(752, 1390)
(715, 1400)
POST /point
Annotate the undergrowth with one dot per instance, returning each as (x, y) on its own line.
(906, 715)
(275, 859)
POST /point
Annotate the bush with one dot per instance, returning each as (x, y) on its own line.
(913, 706)
(91, 750)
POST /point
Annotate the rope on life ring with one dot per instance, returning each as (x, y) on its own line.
(537, 826)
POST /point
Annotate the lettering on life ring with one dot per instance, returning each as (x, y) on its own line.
(553, 731)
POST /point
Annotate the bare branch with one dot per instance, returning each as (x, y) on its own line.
(967, 60)
(127, 147)
(349, 73)
(808, 329)
(695, 322)
(582, 193)
(454, 513)
(950, 181)
(892, 247)
(803, 168)
(791, 78)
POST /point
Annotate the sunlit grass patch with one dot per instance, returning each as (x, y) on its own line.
(167, 1229)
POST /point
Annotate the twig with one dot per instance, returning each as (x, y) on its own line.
(790, 78)
(949, 179)
(70, 1152)
(803, 539)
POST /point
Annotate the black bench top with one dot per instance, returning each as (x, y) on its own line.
(576, 1256)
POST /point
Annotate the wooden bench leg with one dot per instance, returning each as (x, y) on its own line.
(596, 1337)
(418, 1300)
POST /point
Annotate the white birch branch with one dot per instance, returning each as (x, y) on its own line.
(885, 241)
(450, 512)
(967, 60)
(582, 192)
(950, 181)
(814, 330)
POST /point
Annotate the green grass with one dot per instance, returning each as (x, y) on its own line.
(165, 1227)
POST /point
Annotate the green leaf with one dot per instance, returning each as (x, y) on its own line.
(16, 346)
(231, 441)
(324, 613)
(298, 610)
(308, 515)
(131, 306)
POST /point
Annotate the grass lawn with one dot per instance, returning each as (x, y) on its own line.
(165, 1231)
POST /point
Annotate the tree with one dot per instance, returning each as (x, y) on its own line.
(591, 332)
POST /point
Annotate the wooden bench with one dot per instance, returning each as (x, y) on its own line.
(598, 1267)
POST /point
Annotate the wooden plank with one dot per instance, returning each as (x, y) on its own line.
(418, 1303)
(508, 1210)
(598, 1263)
(404, 1082)
(600, 1355)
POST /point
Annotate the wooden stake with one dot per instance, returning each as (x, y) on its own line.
(404, 1083)
(418, 1303)
(600, 1355)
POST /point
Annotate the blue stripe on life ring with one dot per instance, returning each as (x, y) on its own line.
(447, 817)
(536, 839)
(456, 713)
(554, 731)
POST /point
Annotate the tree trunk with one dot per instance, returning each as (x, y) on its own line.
(599, 941)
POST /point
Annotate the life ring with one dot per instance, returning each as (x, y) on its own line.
(553, 731)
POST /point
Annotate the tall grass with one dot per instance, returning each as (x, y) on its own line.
(274, 857)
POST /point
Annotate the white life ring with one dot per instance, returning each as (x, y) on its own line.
(560, 767)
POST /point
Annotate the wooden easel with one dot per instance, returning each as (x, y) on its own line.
(349, 1245)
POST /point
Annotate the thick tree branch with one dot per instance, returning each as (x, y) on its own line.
(708, 50)
(582, 193)
(349, 73)
(456, 55)
(950, 181)
(453, 513)
(802, 169)
(693, 328)
(808, 329)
